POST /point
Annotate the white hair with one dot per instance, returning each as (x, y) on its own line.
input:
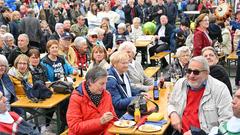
(128, 44)
(79, 41)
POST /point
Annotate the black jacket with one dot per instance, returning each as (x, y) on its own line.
(14, 53)
(168, 32)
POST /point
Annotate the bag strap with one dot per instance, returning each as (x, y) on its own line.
(156, 109)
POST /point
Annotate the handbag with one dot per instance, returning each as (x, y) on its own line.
(62, 87)
(142, 101)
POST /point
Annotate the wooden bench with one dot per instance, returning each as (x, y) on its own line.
(151, 71)
(232, 57)
(65, 132)
(161, 55)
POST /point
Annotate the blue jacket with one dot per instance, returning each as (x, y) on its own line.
(119, 99)
(68, 69)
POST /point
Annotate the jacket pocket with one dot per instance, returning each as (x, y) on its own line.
(210, 115)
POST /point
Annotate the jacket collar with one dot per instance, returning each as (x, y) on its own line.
(113, 72)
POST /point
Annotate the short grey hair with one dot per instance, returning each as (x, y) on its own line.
(58, 25)
(25, 36)
(122, 25)
(94, 74)
(7, 36)
(136, 19)
(211, 49)
(4, 61)
(79, 41)
(128, 44)
(202, 60)
(183, 49)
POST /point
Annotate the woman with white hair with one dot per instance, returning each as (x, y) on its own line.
(6, 85)
(135, 70)
(8, 44)
(179, 66)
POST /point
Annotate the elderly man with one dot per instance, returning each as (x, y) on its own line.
(12, 123)
(65, 49)
(199, 100)
(22, 48)
(80, 48)
(79, 29)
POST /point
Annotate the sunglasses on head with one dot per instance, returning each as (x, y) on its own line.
(195, 72)
(94, 36)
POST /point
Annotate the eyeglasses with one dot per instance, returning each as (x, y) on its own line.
(94, 36)
(195, 72)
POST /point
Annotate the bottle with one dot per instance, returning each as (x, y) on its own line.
(155, 91)
(161, 81)
(81, 70)
(137, 113)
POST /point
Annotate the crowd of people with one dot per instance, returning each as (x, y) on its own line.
(44, 41)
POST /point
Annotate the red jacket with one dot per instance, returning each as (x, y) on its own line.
(83, 117)
(11, 128)
(200, 40)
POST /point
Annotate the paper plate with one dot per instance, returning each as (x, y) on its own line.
(149, 128)
(124, 123)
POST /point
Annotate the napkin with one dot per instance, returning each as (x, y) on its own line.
(127, 117)
(158, 123)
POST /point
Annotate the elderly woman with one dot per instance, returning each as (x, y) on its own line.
(99, 57)
(136, 29)
(6, 85)
(178, 67)
(118, 83)
(19, 72)
(90, 111)
(9, 44)
(57, 67)
(201, 38)
(135, 70)
(216, 70)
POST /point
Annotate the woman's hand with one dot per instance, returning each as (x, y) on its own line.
(75, 72)
(106, 117)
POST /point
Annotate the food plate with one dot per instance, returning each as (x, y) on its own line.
(149, 128)
(124, 123)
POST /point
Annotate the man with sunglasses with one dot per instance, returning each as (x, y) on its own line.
(199, 100)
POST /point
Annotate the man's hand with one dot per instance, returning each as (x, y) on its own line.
(176, 121)
(106, 117)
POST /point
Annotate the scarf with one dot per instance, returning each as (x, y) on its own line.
(95, 98)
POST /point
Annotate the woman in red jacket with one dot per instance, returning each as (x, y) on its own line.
(90, 111)
(201, 38)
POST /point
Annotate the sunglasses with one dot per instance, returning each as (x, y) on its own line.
(94, 36)
(195, 72)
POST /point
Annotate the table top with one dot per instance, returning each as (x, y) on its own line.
(232, 56)
(23, 101)
(150, 71)
(144, 41)
(159, 55)
(162, 102)
(192, 12)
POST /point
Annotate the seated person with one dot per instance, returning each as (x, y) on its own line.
(135, 70)
(178, 67)
(6, 85)
(118, 83)
(57, 66)
(90, 110)
(120, 36)
(216, 70)
(81, 53)
(19, 72)
(37, 70)
(199, 100)
(99, 57)
(162, 36)
(136, 29)
(12, 123)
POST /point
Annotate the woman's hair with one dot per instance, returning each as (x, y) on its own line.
(136, 19)
(99, 48)
(7, 36)
(101, 26)
(128, 44)
(118, 56)
(91, 8)
(94, 74)
(14, 15)
(211, 49)
(200, 18)
(21, 57)
(50, 43)
(4, 61)
(183, 49)
(34, 52)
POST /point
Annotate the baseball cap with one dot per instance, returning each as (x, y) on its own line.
(66, 36)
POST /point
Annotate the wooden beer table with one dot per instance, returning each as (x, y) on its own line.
(51, 104)
(162, 102)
